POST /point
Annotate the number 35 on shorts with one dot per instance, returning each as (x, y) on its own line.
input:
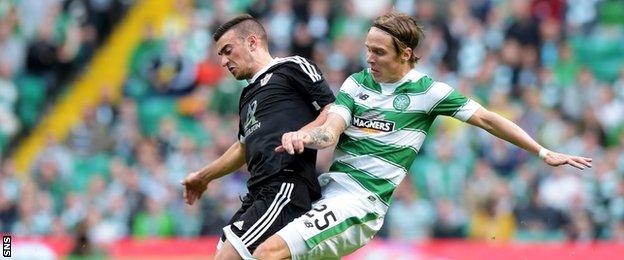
(319, 217)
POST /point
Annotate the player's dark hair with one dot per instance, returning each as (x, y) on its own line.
(404, 30)
(244, 25)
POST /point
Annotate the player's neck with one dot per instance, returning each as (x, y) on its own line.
(403, 70)
(263, 58)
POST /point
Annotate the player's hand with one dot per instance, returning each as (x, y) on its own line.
(293, 142)
(194, 187)
(556, 159)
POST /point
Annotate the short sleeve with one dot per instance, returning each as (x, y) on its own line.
(310, 81)
(241, 133)
(345, 104)
(451, 102)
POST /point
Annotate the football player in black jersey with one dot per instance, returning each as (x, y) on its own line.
(283, 95)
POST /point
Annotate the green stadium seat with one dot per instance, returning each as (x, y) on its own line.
(152, 110)
(189, 126)
(32, 95)
(3, 143)
(86, 168)
(603, 56)
(611, 12)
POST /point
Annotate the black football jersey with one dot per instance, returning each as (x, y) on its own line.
(284, 96)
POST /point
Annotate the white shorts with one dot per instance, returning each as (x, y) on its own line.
(338, 224)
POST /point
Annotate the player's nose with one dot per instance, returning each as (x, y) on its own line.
(369, 58)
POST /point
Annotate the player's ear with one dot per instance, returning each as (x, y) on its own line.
(253, 42)
(406, 54)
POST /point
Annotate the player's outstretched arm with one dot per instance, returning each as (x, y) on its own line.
(320, 137)
(509, 131)
(196, 182)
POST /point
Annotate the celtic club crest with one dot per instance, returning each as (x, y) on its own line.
(401, 102)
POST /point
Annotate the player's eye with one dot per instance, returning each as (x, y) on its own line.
(375, 51)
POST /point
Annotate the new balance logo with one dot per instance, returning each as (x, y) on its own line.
(363, 96)
(239, 224)
(308, 224)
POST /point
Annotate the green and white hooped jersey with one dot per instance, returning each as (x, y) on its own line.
(386, 126)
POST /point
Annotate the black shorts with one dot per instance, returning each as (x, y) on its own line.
(267, 209)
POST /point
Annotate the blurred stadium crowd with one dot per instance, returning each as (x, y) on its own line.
(554, 67)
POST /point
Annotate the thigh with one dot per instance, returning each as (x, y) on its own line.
(334, 227)
(227, 252)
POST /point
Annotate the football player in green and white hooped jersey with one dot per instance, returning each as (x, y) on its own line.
(380, 120)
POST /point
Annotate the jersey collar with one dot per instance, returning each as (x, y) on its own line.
(412, 75)
(263, 70)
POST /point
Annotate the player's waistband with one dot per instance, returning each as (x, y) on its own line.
(275, 180)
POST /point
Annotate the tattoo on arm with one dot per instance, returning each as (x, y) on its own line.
(320, 138)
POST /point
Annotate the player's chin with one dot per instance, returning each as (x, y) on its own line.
(238, 75)
(377, 76)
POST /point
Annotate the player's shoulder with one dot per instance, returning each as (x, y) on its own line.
(296, 60)
(418, 83)
(295, 65)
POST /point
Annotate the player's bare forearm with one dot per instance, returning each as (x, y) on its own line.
(197, 182)
(315, 138)
(230, 161)
(326, 135)
(505, 129)
(509, 131)
(321, 137)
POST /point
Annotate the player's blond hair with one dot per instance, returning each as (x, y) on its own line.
(405, 31)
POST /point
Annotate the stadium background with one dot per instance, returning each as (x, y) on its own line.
(106, 104)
